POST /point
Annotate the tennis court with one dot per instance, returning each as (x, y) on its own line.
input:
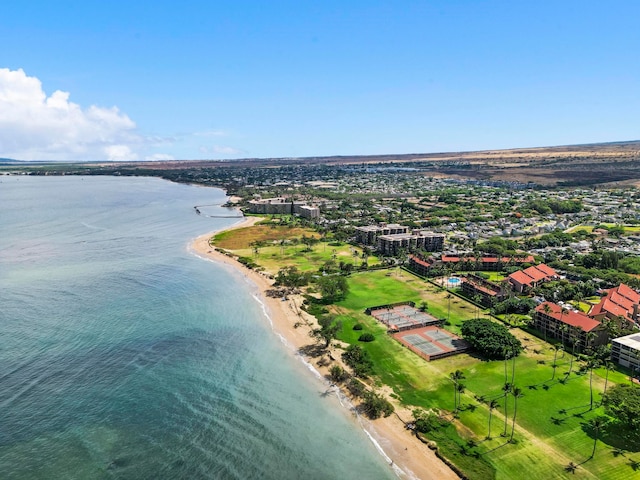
(403, 317)
(432, 342)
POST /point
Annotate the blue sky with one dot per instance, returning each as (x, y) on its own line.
(234, 79)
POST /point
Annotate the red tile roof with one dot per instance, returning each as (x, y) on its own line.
(628, 292)
(624, 302)
(547, 270)
(527, 259)
(521, 278)
(419, 261)
(535, 274)
(618, 301)
(574, 319)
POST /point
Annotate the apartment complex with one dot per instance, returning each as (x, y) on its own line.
(569, 325)
(525, 280)
(488, 292)
(417, 240)
(619, 304)
(283, 206)
(368, 235)
(626, 351)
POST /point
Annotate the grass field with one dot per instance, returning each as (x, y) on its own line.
(550, 429)
(589, 228)
(282, 247)
(551, 419)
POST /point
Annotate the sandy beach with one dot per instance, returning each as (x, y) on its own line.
(407, 456)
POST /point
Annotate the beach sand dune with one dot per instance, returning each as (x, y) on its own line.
(407, 456)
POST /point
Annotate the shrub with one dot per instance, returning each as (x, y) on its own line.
(356, 387)
(366, 337)
(491, 339)
(358, 359)
(357, 326)
(427, 422)
(374, 405)
(337, 374)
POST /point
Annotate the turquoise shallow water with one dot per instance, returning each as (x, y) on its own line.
(123, 355)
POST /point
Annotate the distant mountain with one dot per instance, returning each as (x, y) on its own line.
(9, 160)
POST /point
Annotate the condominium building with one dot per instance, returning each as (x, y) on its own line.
(283, 206)
(569, 325)
(418, 240)
(529, 278)
(488, 292)
(626, 351)
(368, 235)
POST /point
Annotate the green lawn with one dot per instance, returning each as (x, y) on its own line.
(551, 415)
(275, 256)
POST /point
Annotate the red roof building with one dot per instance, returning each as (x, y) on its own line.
(621, 302)
(569, 325)
(531, 277)
(484, 263)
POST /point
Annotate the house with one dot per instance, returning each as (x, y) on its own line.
(569, 325)
(525, 280)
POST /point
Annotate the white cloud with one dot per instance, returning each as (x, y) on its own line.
(36, 127)
(119, 153)
(159, 157)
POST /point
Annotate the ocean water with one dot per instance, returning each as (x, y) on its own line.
(125, 356)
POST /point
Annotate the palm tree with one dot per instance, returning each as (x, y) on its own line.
(506, 388)
(492, 405)
(596, 423)
(477, 298)
(460, 389)
(555, 356)
(575, 342)
(571, 467)
(449, 306)
(456, 377)
(517, 393)
(608, 367)
(547, 311)
(507, 353)
(591, 364)
(564, 330)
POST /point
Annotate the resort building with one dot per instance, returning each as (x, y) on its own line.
(525, 280)
(419, 265)
(492, 264)
(568, 325)
(368, 235)
(283, 206)
(417, 240)
(626, 351)
(488, 292)
(619, 304)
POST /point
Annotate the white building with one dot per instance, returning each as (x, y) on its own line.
(626, 351)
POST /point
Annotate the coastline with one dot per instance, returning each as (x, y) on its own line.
(407, 456)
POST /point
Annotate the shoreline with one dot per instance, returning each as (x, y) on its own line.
(407, 456)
